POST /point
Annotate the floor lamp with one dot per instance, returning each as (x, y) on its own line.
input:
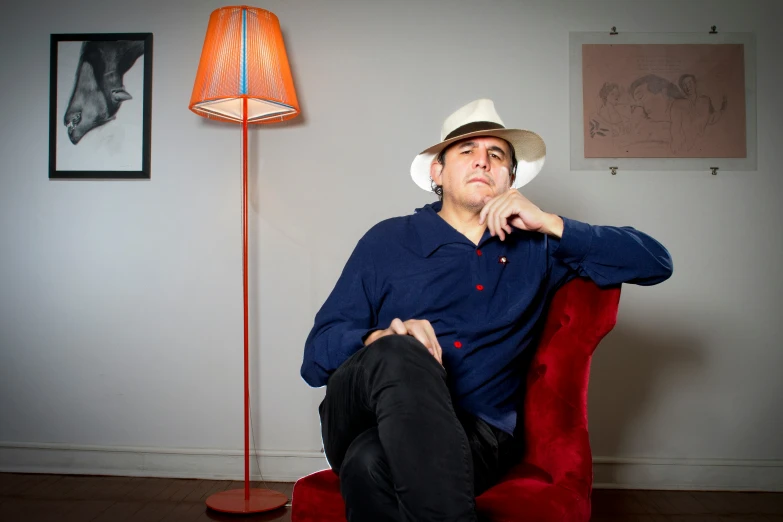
(244, 77)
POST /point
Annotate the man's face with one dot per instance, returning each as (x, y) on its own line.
(473, 169)
(640, 92)
(689, 85)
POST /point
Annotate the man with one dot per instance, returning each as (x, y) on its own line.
(423, 341)
(691, 115)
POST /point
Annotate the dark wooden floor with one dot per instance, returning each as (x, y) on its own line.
(73, 498)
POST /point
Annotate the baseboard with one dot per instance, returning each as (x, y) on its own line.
(278, 466)
(688, 474)
(287, 466)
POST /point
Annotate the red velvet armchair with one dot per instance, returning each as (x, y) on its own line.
(554, 480)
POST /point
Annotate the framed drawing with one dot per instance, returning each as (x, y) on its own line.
(100, 106)
(649, 101)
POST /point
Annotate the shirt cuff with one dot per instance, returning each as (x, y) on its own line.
(576, 240)
(350, 342)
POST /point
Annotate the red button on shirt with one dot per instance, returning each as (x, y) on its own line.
(457, 344)
(478, 252)
(479, 287)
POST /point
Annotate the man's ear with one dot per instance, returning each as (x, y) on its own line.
(436, 169)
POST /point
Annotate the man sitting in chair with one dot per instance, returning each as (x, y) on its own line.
(422, 343)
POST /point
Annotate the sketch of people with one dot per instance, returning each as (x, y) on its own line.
(654, 96)
(663, 101)
(613, 117)
(649, 118)
(691, 115)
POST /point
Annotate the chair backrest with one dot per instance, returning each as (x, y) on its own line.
(555, 413)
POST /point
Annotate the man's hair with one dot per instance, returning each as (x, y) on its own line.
(438, 189)
(656, 84)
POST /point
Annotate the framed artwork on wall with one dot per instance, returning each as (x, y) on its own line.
(100, 105)
(662, 101)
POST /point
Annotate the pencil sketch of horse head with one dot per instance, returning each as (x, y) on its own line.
(98, 90)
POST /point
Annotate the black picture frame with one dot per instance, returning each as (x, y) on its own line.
(95, 110)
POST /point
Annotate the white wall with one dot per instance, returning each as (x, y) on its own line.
(120, 308)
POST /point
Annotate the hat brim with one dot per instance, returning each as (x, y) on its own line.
(529, 149)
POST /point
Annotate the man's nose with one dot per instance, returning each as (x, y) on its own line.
(482, 159)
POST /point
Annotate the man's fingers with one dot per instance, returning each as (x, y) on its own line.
(505, 216)
(490, 204)
(434, 345)
(484, 210)
(398, 327)
(422, 331)
(500, 218)
(491, 215)
(421, 336)
(498, 222)
(437, 351)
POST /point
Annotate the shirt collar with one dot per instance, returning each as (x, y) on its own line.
(433, 230)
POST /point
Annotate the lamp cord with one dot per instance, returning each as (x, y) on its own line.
(255, 451)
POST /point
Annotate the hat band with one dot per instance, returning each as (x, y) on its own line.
(473, 127)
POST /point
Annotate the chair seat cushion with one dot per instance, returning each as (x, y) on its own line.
(316, 497)
(529, 499)
(525, 493)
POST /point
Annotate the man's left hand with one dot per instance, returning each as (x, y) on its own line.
(512, 209)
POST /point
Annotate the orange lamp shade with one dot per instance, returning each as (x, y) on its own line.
(244, 58)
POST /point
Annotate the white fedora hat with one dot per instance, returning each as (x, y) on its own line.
(479, 118)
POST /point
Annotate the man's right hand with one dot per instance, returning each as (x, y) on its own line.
(419, 329)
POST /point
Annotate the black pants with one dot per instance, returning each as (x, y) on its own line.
(401, 450)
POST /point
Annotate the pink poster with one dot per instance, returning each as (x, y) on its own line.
(664, 101)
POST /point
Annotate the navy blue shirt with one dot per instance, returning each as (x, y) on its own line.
(484, 301)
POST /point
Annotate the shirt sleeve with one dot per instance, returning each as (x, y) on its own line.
(608, 255)
(343, 321)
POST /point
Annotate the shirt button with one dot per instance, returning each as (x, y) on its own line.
(479, 287)
(478, 252)
(457, 344)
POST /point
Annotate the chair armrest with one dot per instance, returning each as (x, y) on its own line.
(555, 413)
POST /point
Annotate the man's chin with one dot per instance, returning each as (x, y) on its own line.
(475, 202)
(474, 199)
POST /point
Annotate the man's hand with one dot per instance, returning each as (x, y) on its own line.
(512, 209)
(419, 329)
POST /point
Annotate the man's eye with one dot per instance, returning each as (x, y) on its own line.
(495, 156)
(466, 151)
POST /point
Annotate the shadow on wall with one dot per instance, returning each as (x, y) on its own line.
(629, 369)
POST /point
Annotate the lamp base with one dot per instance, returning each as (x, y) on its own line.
(233, 501)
